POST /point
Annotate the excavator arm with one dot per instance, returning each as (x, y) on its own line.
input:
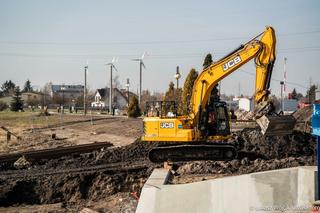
(263, 51)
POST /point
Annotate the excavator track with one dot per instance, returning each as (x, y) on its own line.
(192, 152)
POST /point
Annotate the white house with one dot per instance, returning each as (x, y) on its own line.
(101, 99)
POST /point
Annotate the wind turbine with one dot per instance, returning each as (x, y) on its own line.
(141, 64)
(110, 91)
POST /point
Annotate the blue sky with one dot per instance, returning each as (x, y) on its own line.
(45, 41)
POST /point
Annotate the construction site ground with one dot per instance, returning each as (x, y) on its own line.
(111, 179)
(70, 129)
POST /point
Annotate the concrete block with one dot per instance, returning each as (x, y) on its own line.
(283, 190)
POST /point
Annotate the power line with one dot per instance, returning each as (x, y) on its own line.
(274, 79)
(146, 42)
(151, 56)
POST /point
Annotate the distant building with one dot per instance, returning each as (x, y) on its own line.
(318, 94)
(34, 98)
(246, 104)
(290, 105)
(125, 93)
(29, 98)
(101, 99)
(67, 92)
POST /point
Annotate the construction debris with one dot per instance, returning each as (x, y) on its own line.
(21, 163)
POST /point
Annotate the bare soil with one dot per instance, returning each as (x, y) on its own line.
(76, 191)
(73, 130)
(117, 190)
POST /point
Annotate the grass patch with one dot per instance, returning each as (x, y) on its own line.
(29, 119)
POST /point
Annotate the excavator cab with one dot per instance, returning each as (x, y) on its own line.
(215, 120)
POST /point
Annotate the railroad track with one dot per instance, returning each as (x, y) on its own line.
(111, 167)
(68, 123)
(53, 153)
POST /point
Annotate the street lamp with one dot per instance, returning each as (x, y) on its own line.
(127, 86)
(63, 88)
(177, 76)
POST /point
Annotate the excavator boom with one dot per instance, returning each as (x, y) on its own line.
(263, 53)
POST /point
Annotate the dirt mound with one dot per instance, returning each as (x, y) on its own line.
(303, 114)
(297, 144)
(303, 117)
(75, 190)
(70, 189)
(137, 151)
(268, 153)
(243, 166)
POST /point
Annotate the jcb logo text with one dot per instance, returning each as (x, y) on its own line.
(231, 63)
(166, 125)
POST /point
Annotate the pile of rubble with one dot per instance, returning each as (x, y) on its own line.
(296, 144)
(244, 115)
(269, 153)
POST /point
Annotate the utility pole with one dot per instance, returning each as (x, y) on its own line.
(128, 85)
(282, 84)
(63, 88)
(285, 75)
(85, 91)
(110, 92)
(140, 89)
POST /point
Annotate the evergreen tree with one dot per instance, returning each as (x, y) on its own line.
(134, 109)
(16, 103)
(170, 94)
(27, 86)
(294, 94)
(207, 61)
(214, 96)
(311, 94)
(7, 88)
(187, 91)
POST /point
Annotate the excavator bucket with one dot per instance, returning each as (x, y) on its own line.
(276, 125)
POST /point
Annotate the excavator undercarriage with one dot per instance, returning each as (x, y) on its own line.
(201, 150)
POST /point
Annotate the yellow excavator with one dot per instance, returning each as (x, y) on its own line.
(204, 133)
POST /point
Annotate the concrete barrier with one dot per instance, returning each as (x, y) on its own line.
(284, 190)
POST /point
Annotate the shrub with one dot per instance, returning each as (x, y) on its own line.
(3, 106)
(134, 110)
